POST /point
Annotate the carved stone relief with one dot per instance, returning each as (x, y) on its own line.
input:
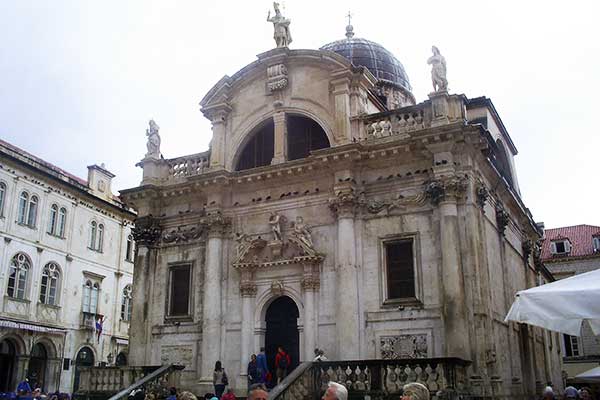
(403, 346)
(183, 234)
(502, 218)
(277, 77)
(146, 231)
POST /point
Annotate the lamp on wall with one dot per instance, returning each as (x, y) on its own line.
(109, 358)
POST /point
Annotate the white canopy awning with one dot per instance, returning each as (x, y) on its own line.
(561, 306)
(29, 327)
(592, 375)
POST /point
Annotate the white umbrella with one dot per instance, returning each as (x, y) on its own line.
(560, 306)
(592, 375)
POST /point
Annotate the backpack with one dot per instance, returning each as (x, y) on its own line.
(283, 361)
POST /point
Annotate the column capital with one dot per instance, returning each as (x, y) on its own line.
(311, 284)
(146, 231)
(217, 223)
(345, 204)
(248, 289)
(446, 188)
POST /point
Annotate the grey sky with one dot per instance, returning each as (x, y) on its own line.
(80, 79)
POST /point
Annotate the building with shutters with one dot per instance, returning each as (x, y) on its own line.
(334, 210)
(66, 261)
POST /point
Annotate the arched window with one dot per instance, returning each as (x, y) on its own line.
(52, 223)
(303, 136)
(259, 149)
(23, 201)
(90, 297)
(50, 284)
(93, 231)
(126, 304)
(17, 276)
(129, 249)
(100, 237)
(32, 211)
(2, 197)
(62, 222)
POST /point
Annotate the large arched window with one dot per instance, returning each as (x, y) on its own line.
(50, 284)
(303, 136)
(2, 197)
(258, 151)
(126, 304)
(90, 297)
(17, 275)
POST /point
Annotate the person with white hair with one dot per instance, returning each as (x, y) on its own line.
(335, 391)
(415, 391)
(548, 393)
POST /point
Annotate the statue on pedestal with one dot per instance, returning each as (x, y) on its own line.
(281, 25)
(275, 222)
(153, 144)
(438, 70)
(303, 237)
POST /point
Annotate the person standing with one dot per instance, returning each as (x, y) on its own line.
(261, 365)
(282, 363)
(24, 389)
(253, 374)
(335, 391)
(220, 379)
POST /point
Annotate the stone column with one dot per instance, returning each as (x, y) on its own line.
(347, 325)
(310, 285)
(341, 102)
(248, 293)
(146, 232)
(211, 301)
(218, 117)
(280, 139)
(443, 192)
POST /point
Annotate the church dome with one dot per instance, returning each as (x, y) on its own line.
(376, 58)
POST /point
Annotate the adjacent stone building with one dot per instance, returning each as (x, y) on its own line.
(333, 211)
(66, 260)
(568, 251)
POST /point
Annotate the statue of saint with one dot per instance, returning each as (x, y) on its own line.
(244, 244)
(303, 236)
(281, 25)
(275, 222)
(153, 144)
(438, 70)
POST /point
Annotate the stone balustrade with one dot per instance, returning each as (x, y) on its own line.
(398, 122)
(444, 377)
(194, 164)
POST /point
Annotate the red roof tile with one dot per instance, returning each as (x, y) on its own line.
(580, 237)
(43, 162)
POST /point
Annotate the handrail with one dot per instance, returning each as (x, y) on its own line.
(290, 379)
(165, 369)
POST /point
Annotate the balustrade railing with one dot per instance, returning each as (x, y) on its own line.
(397, 123)
(191, 165)
(378, 379)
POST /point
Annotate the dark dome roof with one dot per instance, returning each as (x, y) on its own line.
(374, 56)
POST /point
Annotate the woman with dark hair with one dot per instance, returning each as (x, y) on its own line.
(253, 375)
(220, 379)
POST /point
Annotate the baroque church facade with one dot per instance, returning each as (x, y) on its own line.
(334, 211)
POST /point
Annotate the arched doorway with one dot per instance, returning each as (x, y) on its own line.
(282, 330)
(37, 366)
(85, 358)
(121, 359)
(8, 361)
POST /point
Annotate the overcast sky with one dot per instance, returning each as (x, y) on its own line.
(81, 79)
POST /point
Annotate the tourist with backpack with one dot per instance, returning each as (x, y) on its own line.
(282, 363)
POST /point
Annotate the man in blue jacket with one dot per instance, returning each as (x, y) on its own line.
(261, 365)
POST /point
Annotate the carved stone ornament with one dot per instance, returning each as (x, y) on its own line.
(248, 289)
(217, 223)
(446, 187)
(302, 237)
(146, 231)
(502, 218)
(537, 254)
(183, 234)
(277, 77)
(527, 247)
(403, 346)
(277, 288)
(438, 70)
(373, 206)
(311, 284)
(481, 194)
(153, 143)
(245, 244)
(281, 27)
(344, 205)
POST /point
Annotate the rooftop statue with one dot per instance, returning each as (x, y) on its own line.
(153, 144)
(281, 26)
(438, 70)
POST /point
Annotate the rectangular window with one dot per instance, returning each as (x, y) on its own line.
(597, 244)
(560, 247)
(571, 346)
(179, 290)
(400, 269)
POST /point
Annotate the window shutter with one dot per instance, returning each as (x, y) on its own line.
(567, 246)
(553, 248)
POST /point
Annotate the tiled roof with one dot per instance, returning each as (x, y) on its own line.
(42, 162)
(580, 237)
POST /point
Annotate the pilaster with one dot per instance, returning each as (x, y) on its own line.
(217, 114)
(280, 132)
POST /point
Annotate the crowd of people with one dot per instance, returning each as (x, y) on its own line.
(24, 391)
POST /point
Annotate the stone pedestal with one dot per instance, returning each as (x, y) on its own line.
(440, 109)
(155, 171)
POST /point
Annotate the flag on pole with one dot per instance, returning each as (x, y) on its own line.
(99, 323)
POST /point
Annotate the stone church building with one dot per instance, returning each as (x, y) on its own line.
(334, 211)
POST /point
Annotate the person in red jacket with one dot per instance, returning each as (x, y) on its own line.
(282, 363)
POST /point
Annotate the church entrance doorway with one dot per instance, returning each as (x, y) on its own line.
(282, 330)
(8, 360)
(85, 358)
